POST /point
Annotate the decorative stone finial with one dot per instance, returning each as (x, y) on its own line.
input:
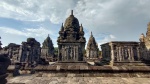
(62, 25)
(71, 12)
(91, 33)
(81, 28)
(148, 24)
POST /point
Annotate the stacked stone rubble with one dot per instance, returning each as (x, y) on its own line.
(30, 51)
(13, 51)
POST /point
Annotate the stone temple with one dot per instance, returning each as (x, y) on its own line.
(47, 51)
(92, 49)
(71, 41)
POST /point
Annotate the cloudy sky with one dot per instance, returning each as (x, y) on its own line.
(109, 20)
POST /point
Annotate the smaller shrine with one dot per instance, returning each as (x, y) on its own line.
(47, 51)
(92, 49)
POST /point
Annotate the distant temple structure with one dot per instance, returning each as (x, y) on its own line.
(47, 51)
(92, 49)
(145, 44)
(71, 41)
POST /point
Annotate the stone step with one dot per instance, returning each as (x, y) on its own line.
(139, 63)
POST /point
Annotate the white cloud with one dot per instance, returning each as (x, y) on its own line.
(28, 32)
(125, 19)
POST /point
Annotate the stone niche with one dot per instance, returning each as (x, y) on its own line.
(71, 41)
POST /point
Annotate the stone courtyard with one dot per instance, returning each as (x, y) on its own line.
(28, 79)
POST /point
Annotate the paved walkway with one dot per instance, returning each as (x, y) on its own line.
(28, 79)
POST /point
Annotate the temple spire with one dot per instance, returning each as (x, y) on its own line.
(62, 27)
(81, 28)
(71, 12)
(91, 34)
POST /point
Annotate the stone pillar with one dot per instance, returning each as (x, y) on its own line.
(118, 57)
(122, 53)
(112, 54)
(129, 52)
(119, 53)
(132, 54)
(138, 54)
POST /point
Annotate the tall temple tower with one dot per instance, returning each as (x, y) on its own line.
(71, 41)
(92, 49)
(47, 51)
